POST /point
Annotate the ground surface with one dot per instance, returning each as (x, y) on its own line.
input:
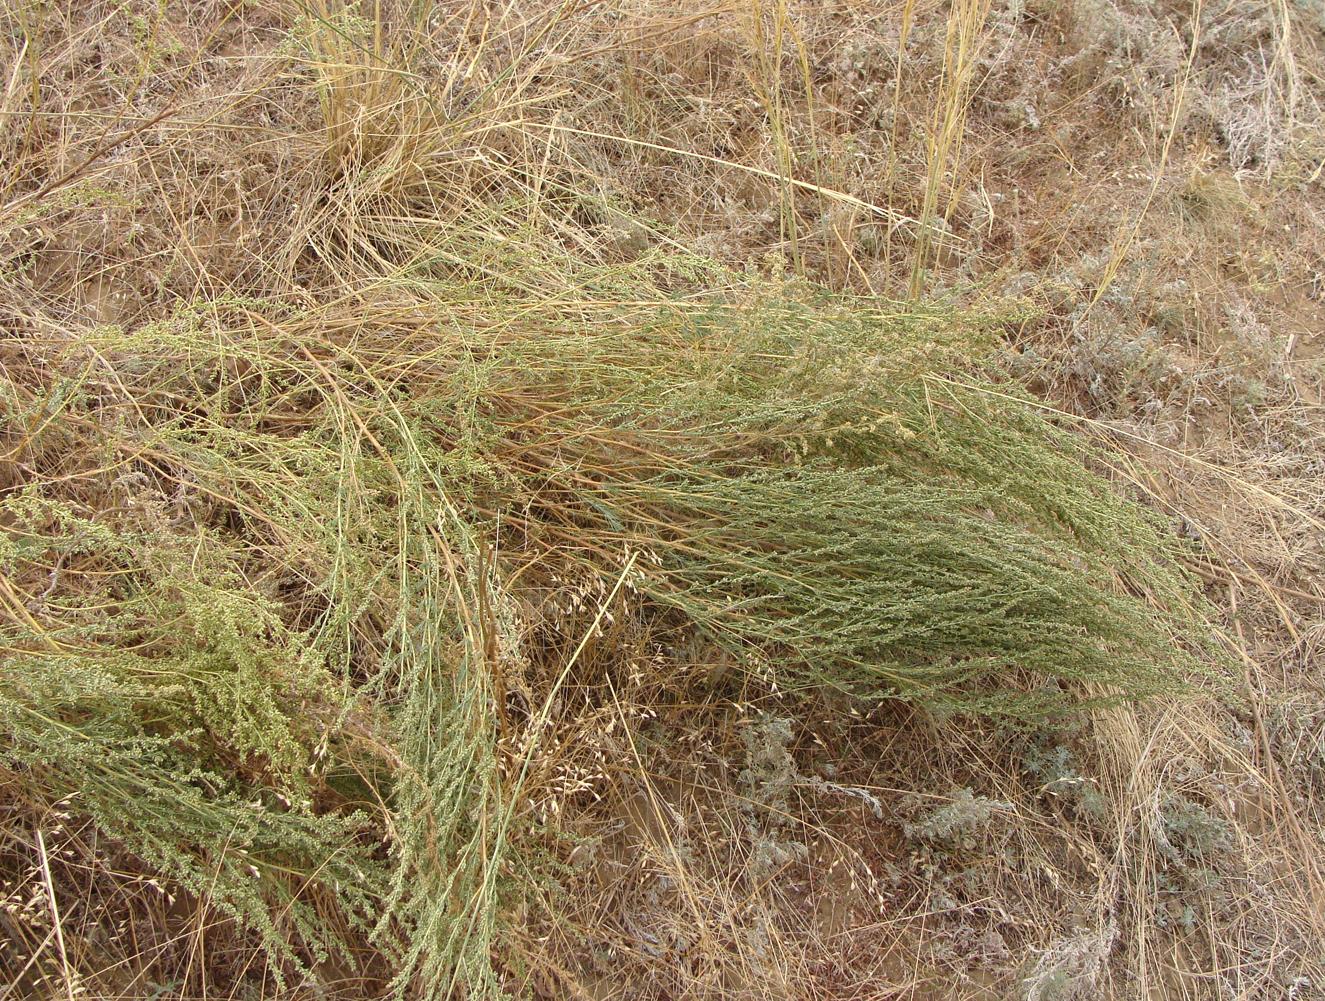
(1133, 194)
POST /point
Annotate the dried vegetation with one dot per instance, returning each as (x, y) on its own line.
(775, 500)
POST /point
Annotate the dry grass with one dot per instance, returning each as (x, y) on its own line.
(239, 243)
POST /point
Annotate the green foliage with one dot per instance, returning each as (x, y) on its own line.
(1055, 768)
(956, 821)
(296, 573)
(172, 707)
(1191, 832)
(75, 732)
